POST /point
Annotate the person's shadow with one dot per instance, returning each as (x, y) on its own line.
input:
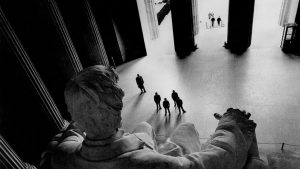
(138, 99)
(178, 120)
(154, 118)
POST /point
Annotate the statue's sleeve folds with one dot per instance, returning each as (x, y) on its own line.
(226, 149)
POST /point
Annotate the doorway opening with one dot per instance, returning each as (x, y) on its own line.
(212, 37)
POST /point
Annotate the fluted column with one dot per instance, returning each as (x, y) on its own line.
(288, 11)
(62, 30)
(128, 29)
(96, 34)
(83, 31)
(103, 16)
(9, 159)
(31, 72)
(152, 19)
(195, 17)
(284, 12)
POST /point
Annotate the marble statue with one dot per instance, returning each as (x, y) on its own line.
(95, 139)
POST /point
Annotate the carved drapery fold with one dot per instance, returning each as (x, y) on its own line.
(31, 72)
(61, 27)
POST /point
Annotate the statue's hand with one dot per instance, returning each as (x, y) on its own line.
(244, 113)
(241, 118)
(236, 117)
(248, 128)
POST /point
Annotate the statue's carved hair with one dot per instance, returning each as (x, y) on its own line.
(91, 84)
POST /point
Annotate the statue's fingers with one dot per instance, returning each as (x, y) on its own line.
(248, 115)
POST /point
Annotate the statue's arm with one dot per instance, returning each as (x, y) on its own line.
(226, 149)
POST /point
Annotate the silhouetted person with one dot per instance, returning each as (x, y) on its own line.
(179, 105)
(174, 97)
(157, 101)
(166, 105)
(140, 83)
(212, 21)
(219, 20)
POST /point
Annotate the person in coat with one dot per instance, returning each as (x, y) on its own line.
(157, 100)
(179, 105)
(174, 96)
(140, 82)
(166, 105)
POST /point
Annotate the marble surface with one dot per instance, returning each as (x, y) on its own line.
(263, 80)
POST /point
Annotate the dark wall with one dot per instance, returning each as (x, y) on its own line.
(24, 123)
(240, 21)
(35, 28)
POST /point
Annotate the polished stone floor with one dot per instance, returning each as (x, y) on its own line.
(263, 81)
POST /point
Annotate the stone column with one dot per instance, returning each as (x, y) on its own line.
(43, 33)
(9, 159)
(127, 26)
(288, 11)
(31, 72)
(195, 16)
(284, 12)
(152, 19)
(83, 31)
(183, 26)
(64, 34)
(103, 16)
(96, 34)
(240, 30)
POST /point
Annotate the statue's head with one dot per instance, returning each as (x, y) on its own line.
(94, 101)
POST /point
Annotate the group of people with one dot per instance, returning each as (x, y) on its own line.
(211, 17)
(166, 104)
(157, 99)
(95, 140)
